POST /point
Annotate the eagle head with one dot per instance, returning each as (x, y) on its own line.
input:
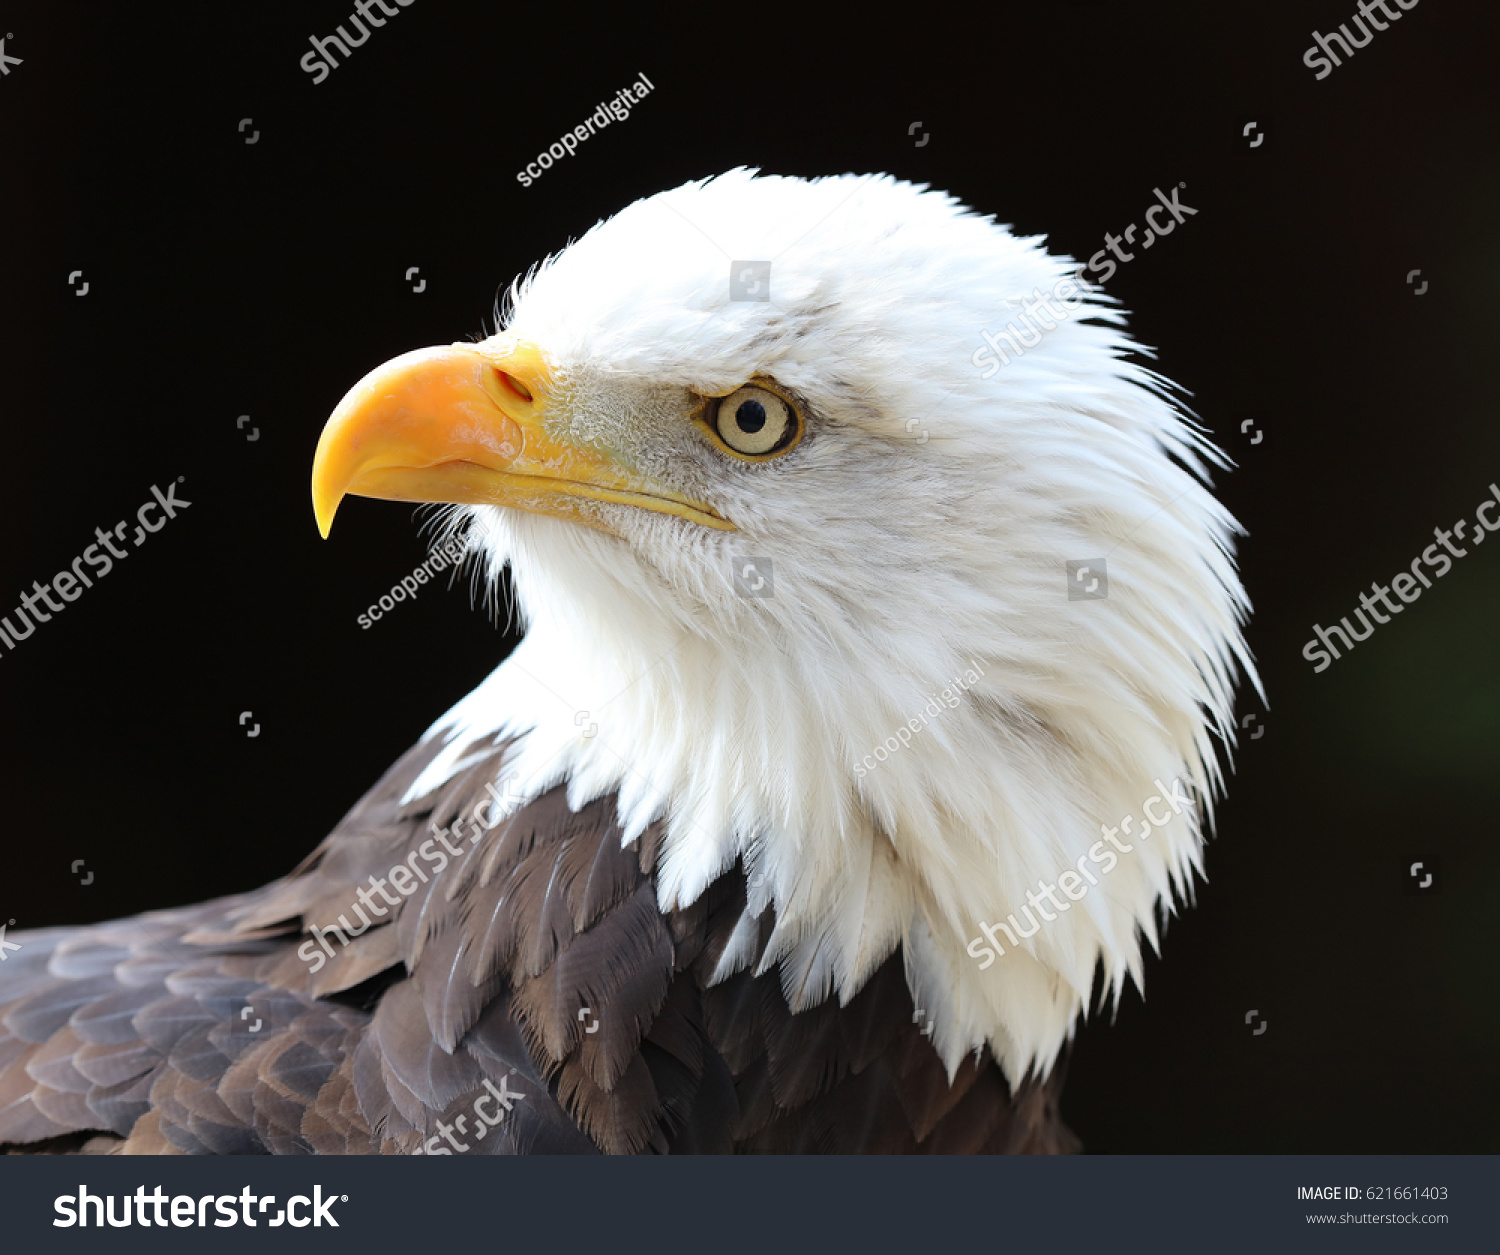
(797, 560)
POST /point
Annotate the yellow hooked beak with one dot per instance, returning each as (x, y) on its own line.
(466, 425)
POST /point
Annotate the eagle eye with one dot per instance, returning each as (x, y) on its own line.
(755, 422)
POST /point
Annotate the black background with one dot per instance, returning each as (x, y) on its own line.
(228, 278)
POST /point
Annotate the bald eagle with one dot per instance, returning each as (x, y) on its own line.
(739, 849)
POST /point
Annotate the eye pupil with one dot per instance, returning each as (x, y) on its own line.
(750, 417)
(754, 422)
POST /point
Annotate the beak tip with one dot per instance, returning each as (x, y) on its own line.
(323, 512)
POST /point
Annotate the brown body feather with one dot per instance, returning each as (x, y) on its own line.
(536, 961)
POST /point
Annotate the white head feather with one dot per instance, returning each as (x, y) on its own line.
(901, 555)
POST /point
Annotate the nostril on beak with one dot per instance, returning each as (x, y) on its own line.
(514, 386)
